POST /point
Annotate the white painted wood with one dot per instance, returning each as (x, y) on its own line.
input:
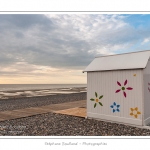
(147, 121)
(143, 99)
(105, 83)
(122, 61)
(115, 119)
(147, 93)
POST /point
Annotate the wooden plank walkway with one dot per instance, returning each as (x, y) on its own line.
(79, 112)
(20, 113)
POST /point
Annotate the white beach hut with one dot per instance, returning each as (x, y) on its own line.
(118, 88)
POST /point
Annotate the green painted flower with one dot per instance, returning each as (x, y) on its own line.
(97, 100)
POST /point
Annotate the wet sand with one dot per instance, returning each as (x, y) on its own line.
(44, 92)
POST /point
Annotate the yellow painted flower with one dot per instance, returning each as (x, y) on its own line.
(135, 112)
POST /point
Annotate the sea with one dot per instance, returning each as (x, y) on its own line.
(16, 87)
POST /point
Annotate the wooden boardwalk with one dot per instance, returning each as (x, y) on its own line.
(75, 108)
(79, 112)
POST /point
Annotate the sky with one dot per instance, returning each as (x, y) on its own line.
(55, 49)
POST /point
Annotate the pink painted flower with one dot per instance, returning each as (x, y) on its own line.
(123, 88)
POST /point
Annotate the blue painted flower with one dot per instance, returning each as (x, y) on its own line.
(115, 107)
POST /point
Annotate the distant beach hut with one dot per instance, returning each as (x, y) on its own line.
(118, 88)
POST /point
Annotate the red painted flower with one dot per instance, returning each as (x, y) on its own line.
(123, 88)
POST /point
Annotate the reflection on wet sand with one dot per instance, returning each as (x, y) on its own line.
(33, 93)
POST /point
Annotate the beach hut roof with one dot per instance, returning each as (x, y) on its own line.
(134, 60)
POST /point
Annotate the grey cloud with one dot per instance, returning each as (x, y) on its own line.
(24, 21)
(19, 34)
(5, 59)
(63, 41)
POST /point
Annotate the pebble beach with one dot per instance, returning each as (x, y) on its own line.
(26, 102)
(52, 124)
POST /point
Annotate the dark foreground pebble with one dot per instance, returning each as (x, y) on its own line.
(52, 124)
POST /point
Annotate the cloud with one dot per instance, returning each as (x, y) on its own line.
(58, 40)
(24, 21)
(145, 41)
(24, 73)
(63, 42)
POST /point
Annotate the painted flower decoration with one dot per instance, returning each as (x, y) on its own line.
(97, 100)
(123, 88)
(134, 112)
(115, 107)
(148, 87)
